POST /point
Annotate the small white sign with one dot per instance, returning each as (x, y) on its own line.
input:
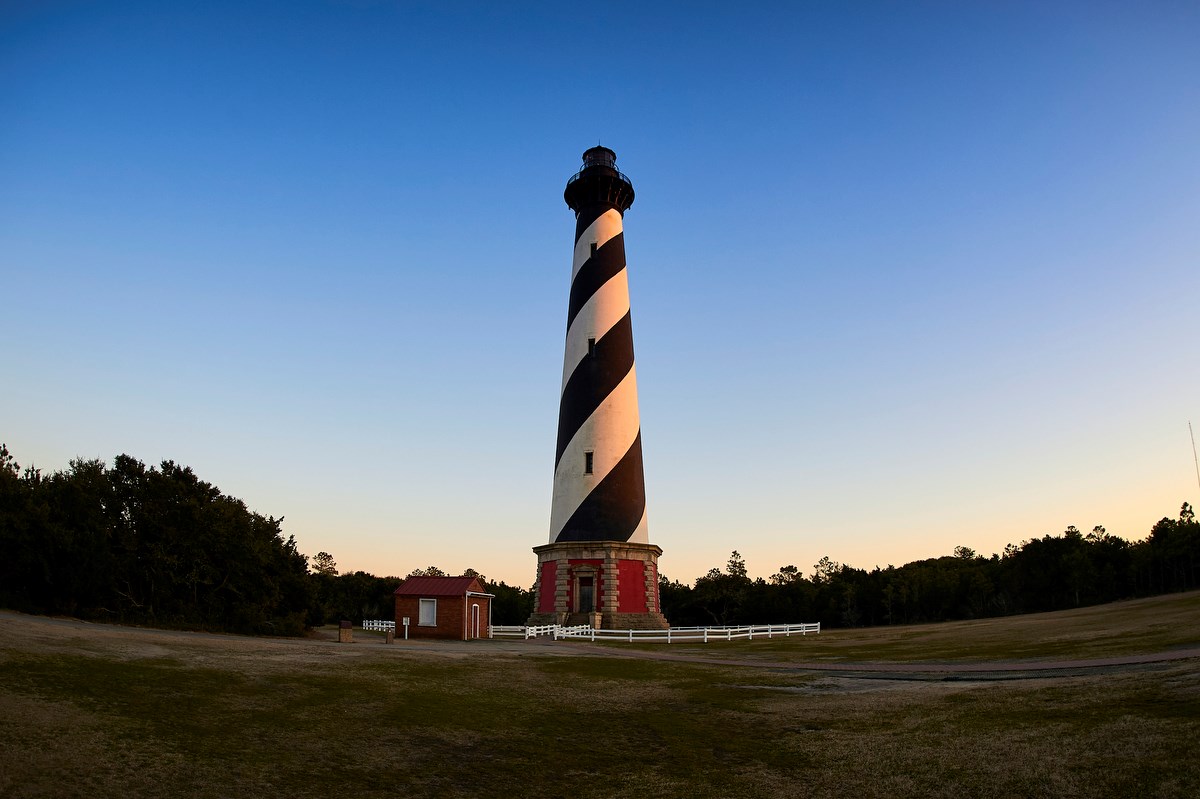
(406, 621)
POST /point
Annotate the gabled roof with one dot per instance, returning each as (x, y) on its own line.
(439, 586)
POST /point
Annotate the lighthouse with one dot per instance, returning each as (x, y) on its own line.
(599, 567)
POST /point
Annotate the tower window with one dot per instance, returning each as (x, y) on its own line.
(592, 347)
(588, 458)
(593, 248)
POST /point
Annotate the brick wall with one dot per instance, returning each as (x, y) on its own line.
(451, 620)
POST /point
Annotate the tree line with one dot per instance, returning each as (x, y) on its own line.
(140, 545)
(158, 546)
(1054, 572)
(358, 595)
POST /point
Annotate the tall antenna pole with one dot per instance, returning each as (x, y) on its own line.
(1194, 460)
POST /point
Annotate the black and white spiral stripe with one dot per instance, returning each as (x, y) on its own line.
(598, 409)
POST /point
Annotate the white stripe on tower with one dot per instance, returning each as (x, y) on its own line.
(599, 492)
(606, 226)
(608, 434)
(606, 307)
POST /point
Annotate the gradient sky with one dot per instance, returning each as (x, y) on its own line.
(904, 276)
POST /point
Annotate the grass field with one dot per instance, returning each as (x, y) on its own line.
(1155, 624)
(97, 711)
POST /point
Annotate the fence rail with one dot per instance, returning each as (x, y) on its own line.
(695, 634)
(672, 635)
(378, 625)
(537, 632)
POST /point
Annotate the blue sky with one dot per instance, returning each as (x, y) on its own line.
(904, 276)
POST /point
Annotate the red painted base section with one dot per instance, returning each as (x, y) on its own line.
(546, 587)
(621, 579)
(631, 581)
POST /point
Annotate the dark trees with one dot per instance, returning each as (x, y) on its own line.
(512, 604)
(153, 546)
(323, 563)
(356, 596)
(160, 546)
(353, 596)
(1048, 573)
(1172, 560)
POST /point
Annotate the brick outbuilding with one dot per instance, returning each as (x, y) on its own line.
(444, 607)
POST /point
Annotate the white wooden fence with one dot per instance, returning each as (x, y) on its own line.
(378, 625)
(520, 631)
(700, 634)
(672, 635)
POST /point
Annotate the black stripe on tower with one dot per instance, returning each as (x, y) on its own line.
(614, 508)
(605, 263)
(593, 380)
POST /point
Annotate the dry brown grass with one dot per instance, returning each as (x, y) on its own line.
(95, 711)
(1153, 624)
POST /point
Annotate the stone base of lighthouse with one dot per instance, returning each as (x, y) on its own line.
(607, 584)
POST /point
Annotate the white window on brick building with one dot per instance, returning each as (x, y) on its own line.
(428, 615)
